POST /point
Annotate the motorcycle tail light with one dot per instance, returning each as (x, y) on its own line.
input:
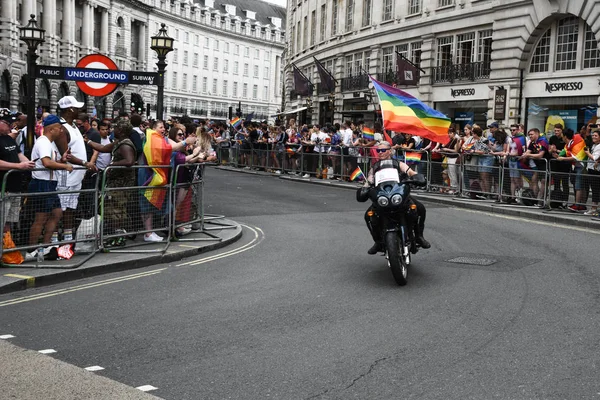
(383, 201)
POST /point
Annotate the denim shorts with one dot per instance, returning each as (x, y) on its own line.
(43, 203)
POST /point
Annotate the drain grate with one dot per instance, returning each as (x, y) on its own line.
(473, 261)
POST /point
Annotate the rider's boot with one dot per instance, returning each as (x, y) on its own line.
(421, 241)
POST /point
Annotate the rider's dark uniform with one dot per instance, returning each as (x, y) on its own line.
(373, 220)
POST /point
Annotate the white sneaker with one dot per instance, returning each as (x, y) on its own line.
(153, 237)
(306, 176)
(31, 256)
(183, 231)
(278, 172)
(246, 168)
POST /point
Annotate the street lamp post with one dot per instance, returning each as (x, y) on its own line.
(33, 37)
(162, 44)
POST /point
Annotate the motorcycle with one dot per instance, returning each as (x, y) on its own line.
(397, 216)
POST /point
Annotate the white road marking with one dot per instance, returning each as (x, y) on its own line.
(146, 388)
(47, 351)
(94, 368)
(552, 224)
(4, 337)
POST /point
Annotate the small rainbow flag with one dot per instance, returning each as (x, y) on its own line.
(236, 122)
(357, 175)
(404, 113)
(368, 133)
(412, 156)
(577, 148)
(469, 146)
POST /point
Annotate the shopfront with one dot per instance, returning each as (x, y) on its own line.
(572, 102)
(464, 104)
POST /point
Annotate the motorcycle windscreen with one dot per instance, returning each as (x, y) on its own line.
(387, 175)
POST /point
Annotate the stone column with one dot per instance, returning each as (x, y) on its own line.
(8, 9)
(104, 32)
(88, 24)
(49, 22)
(28, 9)
(68, 33)
(142, 43)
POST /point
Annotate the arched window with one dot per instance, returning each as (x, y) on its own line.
(569, 44)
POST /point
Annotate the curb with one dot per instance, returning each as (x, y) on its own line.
(78, 273)
(546, 215)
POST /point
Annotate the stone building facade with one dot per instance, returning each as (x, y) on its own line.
(121, 30)
(481, 60)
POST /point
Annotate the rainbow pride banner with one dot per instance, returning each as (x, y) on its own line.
(357, 175)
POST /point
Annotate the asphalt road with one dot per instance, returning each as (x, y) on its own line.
(298, 310)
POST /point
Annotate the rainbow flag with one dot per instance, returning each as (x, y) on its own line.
(521, 142)
(357, 175)
(404, 113)
(412, 157)
(469, 146)
(368, 133)
(157, 151)
(577, 148)
(236, 122)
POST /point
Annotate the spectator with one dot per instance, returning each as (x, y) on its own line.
(20, 131)
(560, 169)
(574, 153)
(103, 159)
(481, 152)
(11, 159)
(77, 155)
(346, 144)
(516, 149)
(537, 156)
(499, 149)
(469, 162)
(451, 152)
(309, 139)
(137, 134)
(335, 152)
(593, 171)
(47, 160)
(157, 152)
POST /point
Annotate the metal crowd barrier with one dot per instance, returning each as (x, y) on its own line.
(109, 214)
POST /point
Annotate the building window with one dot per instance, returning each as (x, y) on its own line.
(236, 50)
(254, 92)
(225, 85)
(350, 16)
(414, 7)
(445, 3)
(257, 53)
(403, 50)
(197, 40)
(226, 66)
(174, 81)
(195, 64)
(266, 72)
(175, 56)
(313, 27)
(236, 66)
(388, 59)
(305, 36)
(444, 51)
(185, 57)
(541, 56)
(216, 45)
(245, 91)
(484, 53)
(195, 84)
(415, 53)
(367, 10)
(226, 47)
(591, 55)
(566, 43)
(256, 71)
(204, 85)
(334, 17)
(465, 44)
(186, 37)
(323, 22)
(266, 93)
(205, 64)
(235, 89)
(357, 63)
(245, 69)
(298, 38)
(214, 87)
(387, 10)
(246, 51)
(206, 42)
(216, 64)
(184, 82)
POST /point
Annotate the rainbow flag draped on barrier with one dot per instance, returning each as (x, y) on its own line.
(357, 175)
(412, 157)
(157, 151)
(368, 134)
(404, 113)
(236, 122)
(577, 148)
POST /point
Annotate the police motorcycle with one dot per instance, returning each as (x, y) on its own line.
(396, 214)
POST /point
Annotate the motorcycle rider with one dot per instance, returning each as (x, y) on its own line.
(384, 153)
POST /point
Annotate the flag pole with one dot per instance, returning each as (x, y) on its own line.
(325, 69)
(410, 62)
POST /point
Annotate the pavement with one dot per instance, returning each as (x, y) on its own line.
(219, 232)
(18, 278)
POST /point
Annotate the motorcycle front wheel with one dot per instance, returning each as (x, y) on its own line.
(395, 259)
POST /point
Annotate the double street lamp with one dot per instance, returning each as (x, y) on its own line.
(162, 44)
(33, 37)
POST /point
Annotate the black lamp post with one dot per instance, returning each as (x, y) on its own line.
(33, 37)
(162, 44)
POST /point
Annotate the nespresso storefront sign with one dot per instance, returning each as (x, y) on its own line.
(462, 92)
(563, 86)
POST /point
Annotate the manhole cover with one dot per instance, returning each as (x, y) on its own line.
(473, 261)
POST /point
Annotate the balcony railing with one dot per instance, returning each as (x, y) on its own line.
(462, 72)
(220, 113)
(197, 111)
(353, 83)
(178, 110)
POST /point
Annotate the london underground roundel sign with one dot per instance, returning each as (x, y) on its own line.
(97, 62)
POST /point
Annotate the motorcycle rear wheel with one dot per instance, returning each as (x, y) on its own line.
(395, 259)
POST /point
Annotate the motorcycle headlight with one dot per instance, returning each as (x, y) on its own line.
(396, 199)
(383, 201)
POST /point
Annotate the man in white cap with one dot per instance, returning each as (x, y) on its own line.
(76, 155)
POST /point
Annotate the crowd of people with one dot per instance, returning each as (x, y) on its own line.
(72, 152)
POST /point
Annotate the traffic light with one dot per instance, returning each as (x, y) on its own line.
(230, 115)
(238, 111)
